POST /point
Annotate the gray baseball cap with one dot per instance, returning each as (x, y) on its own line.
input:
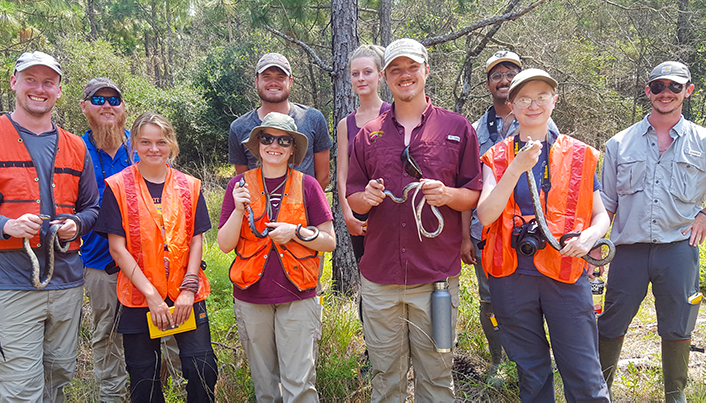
(274, 60)
(276, 120)
(675, 71)
(37, 58)
(99, 83)
(406, 47)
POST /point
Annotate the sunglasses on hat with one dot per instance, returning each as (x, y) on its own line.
(657, 87)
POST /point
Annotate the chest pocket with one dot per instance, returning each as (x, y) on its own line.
(630, 176)
(688, 177)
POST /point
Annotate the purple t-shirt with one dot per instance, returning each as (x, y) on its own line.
(353, 129)
(445, 146)
(274, 287)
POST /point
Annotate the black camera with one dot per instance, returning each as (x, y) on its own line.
(527, 239)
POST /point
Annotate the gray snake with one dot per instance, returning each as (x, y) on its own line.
(542, 222)
(52, 242)
(418, 209)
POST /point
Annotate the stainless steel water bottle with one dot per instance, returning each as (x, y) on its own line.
(441, 317)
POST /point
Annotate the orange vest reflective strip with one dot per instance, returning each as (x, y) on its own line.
(19, 182)
(300, 263)
(569, 208)
(143, 233)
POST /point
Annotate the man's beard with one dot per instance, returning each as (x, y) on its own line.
(108, 137)
(265, 96)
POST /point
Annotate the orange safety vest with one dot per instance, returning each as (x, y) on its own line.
(572, 165)
(143, 233)
(19, 182)
(300, 263)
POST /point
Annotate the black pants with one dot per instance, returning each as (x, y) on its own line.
(198, 363)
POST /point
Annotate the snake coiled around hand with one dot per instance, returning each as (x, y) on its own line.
(52, 242)
(542, 222)
(418, 209)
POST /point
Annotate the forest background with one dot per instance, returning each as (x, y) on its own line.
(193, 61)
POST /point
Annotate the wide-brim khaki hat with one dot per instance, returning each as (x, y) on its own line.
(279, 121)
(526, 76)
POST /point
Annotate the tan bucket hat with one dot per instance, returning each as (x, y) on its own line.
(280, 121)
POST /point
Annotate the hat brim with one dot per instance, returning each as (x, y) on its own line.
(417, 58)
(267, 66)
(676, 79)
(301, 141)
(27, 65)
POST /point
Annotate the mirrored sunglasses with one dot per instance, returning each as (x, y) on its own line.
(283, 141)
(100, 100)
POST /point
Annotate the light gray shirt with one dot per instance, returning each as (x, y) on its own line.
(654, 198)
(484, 144)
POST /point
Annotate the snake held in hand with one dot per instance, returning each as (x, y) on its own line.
(52, 242)
(418, 209)
(542, 222)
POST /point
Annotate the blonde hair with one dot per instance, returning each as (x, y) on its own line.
(149, 118)
(375, 52)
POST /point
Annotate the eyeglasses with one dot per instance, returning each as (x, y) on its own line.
(657, 87)
(410, 165)
(498, 76)
(100, 100)
(542, 100)
(283, 141)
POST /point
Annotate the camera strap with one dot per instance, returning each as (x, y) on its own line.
(546, 172)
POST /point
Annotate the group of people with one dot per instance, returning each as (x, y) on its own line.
(142, 224)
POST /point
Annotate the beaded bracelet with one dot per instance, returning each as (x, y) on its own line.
(190, 283)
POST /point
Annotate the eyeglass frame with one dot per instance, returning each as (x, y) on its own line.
(411, 167)
(267, 139)
(100, 100)
(501, 75)
(537, 100)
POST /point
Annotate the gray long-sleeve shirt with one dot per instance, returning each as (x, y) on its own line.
(654, 198)
(15, 266)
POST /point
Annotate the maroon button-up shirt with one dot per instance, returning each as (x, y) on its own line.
(445, 146)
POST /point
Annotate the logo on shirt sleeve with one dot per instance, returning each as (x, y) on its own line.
(375, 135)
(453, 138)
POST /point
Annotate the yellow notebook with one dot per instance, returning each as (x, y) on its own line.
(190, 324)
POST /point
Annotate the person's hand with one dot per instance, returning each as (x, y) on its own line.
(281, 232)
(579, 246)
(241, 196)
(26, 226)
(468, 252)
(435, 191)
(68, 228)
(182, 307)
(373, 194)
(698, 230)
(161, 317)
(355, 226)
(526, 160)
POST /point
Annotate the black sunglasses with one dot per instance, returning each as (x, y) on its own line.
(410, 165)
(657, 86)
(100, 100)
(284, 141)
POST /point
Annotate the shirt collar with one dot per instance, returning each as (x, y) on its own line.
(425, 115)
(676, 131)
